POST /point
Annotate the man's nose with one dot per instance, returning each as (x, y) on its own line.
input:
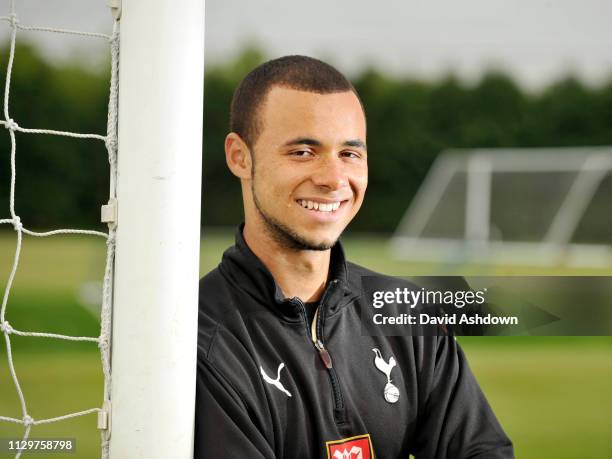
(331, 174)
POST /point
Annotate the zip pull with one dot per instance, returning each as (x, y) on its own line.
(325, 357)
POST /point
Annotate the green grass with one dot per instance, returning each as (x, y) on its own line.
(55, 263)
(53, 385)
(551, 394)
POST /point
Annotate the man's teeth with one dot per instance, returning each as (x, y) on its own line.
(321, 207)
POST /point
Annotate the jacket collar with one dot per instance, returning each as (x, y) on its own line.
(246, 271)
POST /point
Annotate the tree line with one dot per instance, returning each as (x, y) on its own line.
(62, 182)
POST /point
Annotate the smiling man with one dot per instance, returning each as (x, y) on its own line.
(283, 371)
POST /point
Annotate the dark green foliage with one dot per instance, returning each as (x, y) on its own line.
(63, 182)
(60, 181)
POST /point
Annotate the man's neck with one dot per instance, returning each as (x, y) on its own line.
(299, 273)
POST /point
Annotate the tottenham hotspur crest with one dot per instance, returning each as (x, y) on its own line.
(391, 392)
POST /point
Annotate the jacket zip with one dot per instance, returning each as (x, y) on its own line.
(317, 340)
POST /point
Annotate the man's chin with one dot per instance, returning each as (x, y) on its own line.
(319, 245)
(310, 242)
(294, 238)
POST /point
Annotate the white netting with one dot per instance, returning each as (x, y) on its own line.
(110, 139)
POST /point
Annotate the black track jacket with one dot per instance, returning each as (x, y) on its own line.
(266, 390)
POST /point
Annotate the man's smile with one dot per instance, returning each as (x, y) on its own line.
(320, 205)
(321, 209)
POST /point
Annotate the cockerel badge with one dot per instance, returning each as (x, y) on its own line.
(391, 392)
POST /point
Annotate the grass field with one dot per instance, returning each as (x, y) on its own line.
(552, 395)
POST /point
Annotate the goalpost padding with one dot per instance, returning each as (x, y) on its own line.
(154, 332)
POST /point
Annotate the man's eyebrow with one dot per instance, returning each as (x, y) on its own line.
(356, 143)
(303, 141)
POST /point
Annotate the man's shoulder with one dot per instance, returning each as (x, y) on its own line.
(213, 278)
(357, 273)
(225, 345)
(214, 293)
(214, 304)
(224, 312)
(356, 270)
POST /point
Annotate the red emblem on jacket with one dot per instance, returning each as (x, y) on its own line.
(358, 447)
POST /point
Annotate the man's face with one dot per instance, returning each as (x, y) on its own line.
(310, 167)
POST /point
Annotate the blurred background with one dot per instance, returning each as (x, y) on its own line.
(483, 78)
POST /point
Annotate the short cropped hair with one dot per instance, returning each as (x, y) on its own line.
(294, 72)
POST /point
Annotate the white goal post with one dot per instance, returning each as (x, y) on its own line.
(154, 324)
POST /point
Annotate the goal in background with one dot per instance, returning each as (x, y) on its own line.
(531, 206)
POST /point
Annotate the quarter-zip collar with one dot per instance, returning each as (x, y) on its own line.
(246, 271)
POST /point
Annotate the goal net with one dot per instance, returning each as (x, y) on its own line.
(512, 206)
(148, 319)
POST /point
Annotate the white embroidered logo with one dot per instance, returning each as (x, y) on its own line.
(275, 382)
(345, 454)
(391, 392)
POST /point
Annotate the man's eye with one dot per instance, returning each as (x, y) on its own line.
(350, 154)
(302, 153)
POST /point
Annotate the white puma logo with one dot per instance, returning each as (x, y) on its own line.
(275, 382)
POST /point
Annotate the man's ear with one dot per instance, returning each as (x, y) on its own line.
(238, 156)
